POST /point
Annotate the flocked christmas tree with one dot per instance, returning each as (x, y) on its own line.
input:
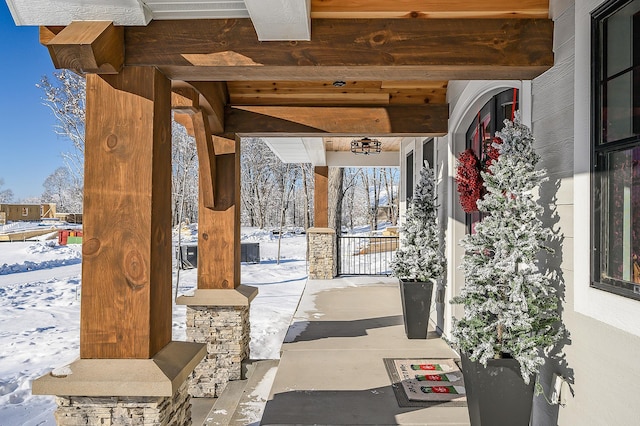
(510, 307)
(420, 256)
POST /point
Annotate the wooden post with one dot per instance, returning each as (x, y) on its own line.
(321, 197)
(126, 264)
(219, 228)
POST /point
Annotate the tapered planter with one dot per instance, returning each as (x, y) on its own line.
(497, 395)
(416, 301)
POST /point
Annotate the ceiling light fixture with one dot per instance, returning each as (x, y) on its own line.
(366, 146)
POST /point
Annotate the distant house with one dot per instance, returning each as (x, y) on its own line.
(17, 212)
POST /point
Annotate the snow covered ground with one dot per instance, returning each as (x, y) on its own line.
(40, 312)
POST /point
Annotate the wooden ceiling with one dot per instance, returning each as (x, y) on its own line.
(372, 67)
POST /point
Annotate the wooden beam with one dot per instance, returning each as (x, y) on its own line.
(347, 49)
(347, 121)
(86, 47)
(224, 146)
(219, 229)
(185, 120)
(185, 100)
(213, 98)
(321, 197)
(429, 9)
(206, 159)
(126, 261)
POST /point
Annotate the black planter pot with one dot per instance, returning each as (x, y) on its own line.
(416, 301)
(497, 395)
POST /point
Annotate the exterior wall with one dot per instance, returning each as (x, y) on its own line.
(603, 328)
(322, 256)
(16, 212)
(161, 411)
(225, 330)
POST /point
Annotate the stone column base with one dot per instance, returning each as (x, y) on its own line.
(125, 391)
(323, 263)
(220, 319)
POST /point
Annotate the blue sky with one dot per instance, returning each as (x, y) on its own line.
(29, 149)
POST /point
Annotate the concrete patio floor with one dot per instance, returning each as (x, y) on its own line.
(331, 370)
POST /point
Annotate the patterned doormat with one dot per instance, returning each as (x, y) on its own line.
(426, 382)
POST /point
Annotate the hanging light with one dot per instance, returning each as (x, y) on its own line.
(366, 146)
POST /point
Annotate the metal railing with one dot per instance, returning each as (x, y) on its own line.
(366, 255)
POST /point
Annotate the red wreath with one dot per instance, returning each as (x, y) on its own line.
(470, 184)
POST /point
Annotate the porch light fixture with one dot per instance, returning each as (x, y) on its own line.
(366, 146)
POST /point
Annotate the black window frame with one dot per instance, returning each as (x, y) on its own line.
(600, 148)
(409, 176)
(428, 152)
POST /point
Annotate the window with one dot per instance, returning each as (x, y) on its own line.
(25, 211)
(489, 119)
(616, 147)
(409, 168)
(427, 153)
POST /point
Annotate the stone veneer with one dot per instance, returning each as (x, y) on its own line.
(158, 410)
(125, 391)
(321, 243)
(226, 331)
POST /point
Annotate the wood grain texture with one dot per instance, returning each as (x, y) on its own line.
(219, 229)
(358, 121)
(126, 263)
(86, 47)
(213, 98)
(347, 49)
(206, 159)
(429, 9)
(321, 197)
(285, 93)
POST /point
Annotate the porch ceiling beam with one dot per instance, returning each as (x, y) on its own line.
(86, 46)
(427, 120)
(347, 49)
(429, 9)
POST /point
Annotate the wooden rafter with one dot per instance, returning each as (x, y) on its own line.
(315, 121)
(346, 93)
(347, 49)
(86, 46)
(429, 9)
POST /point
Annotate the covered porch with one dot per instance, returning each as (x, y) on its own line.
(332, 368)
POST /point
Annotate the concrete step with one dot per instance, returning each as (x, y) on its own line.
(251, 405)
(226, 404)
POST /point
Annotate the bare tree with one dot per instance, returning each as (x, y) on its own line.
(184, 182)
(60, 188)
(65, 97)
(258, 182)
(6, 195)
(306, 170)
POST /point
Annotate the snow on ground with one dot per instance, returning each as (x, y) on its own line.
(40, 312)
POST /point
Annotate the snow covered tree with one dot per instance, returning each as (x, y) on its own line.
(420, 256)
(509, 306)
(6, 195)
(60, 188)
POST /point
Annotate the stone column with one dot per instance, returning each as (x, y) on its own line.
(218, 318)
(125, 391)
(323, 256)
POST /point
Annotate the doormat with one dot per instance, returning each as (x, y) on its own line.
(426, 382)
